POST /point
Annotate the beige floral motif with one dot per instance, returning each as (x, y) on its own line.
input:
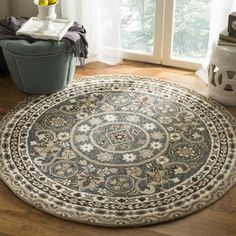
(102, 191)
(149, 113)
(134, 171)
(175, 136)
(142, 141)
(110, 118)
(87, 147)
(107, 108)
(107, 171)
(72, 100)
(156, 145)
(166, 108)
(81, 115)
(153, 176)
(170, 128)
(87, 104)
(118, 136)
(57, 121)
(165, 120)
(120, 183)
(201, 129)
(81, 138)
(129, 157)
(47, 149)
(89, 180)
(186, 126)
(64, 144)
(65, 182)
(143, 102)
(84, 128)
(146, 153)
(63, 169)
(63, 136)
(104, 156)
(89, 168)
(149, 126)
(157, 135)
(186, 152)
(189, 116)
(68, 154)
(95, 121)
(196, 135)
(162, 160)
(118, 99)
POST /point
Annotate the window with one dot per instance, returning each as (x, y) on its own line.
(169, 32)
(191, 29)
(138, 25)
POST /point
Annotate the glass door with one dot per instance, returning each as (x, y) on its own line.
(186, 32)
(142, 29)
(168, 32)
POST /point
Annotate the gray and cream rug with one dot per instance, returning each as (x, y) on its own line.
(119, 151)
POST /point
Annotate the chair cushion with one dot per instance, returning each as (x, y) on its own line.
(37, 48)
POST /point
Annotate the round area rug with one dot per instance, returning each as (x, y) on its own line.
(119, 151)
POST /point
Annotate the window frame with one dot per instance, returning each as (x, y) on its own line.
(163, 41)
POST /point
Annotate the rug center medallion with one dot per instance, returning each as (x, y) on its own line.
(119, 139)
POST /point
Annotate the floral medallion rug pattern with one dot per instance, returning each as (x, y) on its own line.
(119, 151)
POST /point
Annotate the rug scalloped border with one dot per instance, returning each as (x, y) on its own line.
(151, 219)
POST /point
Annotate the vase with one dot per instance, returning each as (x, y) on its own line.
(47, 14)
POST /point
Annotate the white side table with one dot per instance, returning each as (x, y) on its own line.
(222, 74)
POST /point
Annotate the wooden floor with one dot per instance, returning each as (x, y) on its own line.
(18, 218)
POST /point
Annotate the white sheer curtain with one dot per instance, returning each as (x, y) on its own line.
(219, 20)
(101, 19)
(4, 8)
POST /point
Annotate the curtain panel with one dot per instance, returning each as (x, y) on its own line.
(101, 19)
